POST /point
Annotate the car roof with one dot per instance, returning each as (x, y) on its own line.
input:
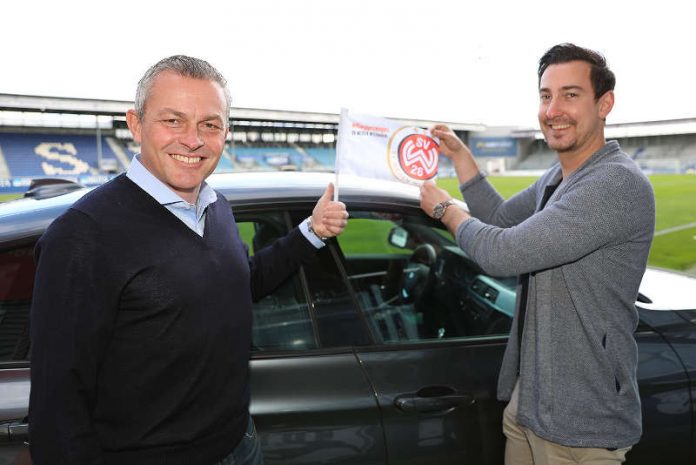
(28, 217)
(252, 187)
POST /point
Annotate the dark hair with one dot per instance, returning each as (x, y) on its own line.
(183, 66)
(601, 76)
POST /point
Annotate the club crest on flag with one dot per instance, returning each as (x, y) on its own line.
(412, 154)
(381, 148)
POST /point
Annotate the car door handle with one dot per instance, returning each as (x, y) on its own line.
(14, 431)
(433, 399)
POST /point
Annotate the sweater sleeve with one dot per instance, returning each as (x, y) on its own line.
(486, 204)
(273, 264)
(70, 327)
(604, 208)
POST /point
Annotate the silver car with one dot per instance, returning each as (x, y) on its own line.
(386, 349)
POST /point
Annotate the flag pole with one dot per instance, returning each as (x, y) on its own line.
(341, 128)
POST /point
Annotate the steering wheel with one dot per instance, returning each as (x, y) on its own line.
(416, 275)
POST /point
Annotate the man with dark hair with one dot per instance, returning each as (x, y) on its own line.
(578, 238)
(601, 77)
(141, 316)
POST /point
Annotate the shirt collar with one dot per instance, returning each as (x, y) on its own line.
(140, 175)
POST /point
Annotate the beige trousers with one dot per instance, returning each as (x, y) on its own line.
(523, 447)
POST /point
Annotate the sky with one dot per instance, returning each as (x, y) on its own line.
(438, 60)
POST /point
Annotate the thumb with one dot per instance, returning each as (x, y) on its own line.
(427, 185)
(328, 193)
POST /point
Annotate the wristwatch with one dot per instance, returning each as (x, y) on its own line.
(440, 208)
(311, 229)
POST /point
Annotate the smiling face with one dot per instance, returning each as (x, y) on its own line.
(182, 132)
(570, 117)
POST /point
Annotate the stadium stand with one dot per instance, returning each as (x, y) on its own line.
(674, 153)
(56, 136)
(120, 152)
(225, 165)
(538, 161)
(538, 157)
(36, 155)
(682, 146)
(324, 156)
(132, 149)
(653, 155)
(267, 158)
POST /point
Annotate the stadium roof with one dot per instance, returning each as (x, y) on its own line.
(118, 108)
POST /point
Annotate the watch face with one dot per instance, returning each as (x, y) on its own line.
(438, 211)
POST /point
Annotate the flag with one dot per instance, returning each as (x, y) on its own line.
(385, 149)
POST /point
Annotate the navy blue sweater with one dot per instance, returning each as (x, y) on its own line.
(141, 331)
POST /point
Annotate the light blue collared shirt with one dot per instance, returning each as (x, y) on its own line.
(193, 216)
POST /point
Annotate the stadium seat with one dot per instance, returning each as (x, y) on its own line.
(37, 155)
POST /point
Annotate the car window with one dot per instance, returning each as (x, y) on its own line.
(338, 319)
(16, 284)
(415, 284)
(281, 320)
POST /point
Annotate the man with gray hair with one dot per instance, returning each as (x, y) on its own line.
(141, 315)
(579, 239)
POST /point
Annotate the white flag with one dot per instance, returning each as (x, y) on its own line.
(385, 149)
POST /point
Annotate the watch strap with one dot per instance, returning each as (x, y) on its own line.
(311, 229)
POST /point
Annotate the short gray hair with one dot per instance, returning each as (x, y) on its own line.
(183, 66)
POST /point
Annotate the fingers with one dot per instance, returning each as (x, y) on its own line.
(439, 128)
(431, 195)
(450, 144)
(429, 187)
(441, 131)
(331, 225)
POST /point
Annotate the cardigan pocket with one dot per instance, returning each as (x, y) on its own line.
(617, 383)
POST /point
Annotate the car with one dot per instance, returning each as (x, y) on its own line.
(385, 349)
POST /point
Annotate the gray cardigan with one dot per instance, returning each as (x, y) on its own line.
(586, 253)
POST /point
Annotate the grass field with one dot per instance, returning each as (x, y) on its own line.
(674, 246)
(6, 197)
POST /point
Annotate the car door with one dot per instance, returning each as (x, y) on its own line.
(667, 350)
(439, 329)
(311, 400)
(16, 283)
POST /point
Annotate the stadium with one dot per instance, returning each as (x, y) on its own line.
(87, 141)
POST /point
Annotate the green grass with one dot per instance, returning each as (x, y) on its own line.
(675, 198)
(506, 185)
(6, 197)
(676, 251)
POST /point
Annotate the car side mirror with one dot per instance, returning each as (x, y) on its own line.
(398, 237)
